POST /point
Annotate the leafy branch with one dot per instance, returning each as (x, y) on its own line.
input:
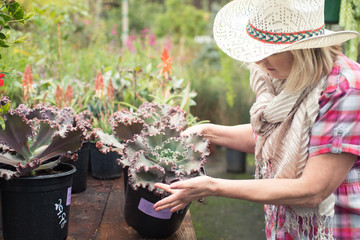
(11, 12)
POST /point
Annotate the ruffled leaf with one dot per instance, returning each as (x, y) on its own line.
(62, 144)
(145, 177)
(125, 131)
(24, 169)
(16, 133)
(8, 174)
(44, 136)
(108, 142)
(199, 143)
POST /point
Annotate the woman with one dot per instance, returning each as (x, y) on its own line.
(305, 123)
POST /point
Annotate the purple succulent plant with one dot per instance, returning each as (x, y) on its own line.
(38, 139)
(152, 146)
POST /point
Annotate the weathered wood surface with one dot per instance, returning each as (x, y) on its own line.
(97, 214)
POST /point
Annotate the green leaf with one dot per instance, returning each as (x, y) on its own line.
(20, 40)
(5, 17)
(29, 15)
(108, 69)
(16, 10)
(2, 123)
(4, 109)
(3, 44)
(2, 36)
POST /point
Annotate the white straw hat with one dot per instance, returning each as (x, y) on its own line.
(251, 30)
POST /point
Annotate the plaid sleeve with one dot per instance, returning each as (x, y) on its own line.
(337, 128)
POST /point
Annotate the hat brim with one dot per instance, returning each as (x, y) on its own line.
(231, 36)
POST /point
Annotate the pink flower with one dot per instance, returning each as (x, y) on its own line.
(144, 32)
(87, 22)
(152, 39)
(113, 31)
(129, 43)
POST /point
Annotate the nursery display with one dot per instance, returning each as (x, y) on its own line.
(154, 151)
(36, 184)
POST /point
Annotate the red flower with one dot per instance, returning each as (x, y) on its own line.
(68, 95)
(27, 82)
(110, 90)
(99, 85)
(1, 79)
(58, 96)
(166, 64)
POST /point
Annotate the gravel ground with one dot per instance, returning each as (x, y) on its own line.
(221, 218)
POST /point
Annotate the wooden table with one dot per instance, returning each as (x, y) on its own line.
(97, 214)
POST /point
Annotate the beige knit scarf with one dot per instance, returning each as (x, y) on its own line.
(282, 122)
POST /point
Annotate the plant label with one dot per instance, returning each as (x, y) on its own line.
(148, 208)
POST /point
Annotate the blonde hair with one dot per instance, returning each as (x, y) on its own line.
(309, 66)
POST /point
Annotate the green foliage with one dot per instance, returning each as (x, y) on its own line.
(4, 108)
(11, 12)
(350, 19)
(147, 17)
(222, 86)
(185, 23)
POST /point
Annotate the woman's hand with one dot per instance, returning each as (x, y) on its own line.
(200, 129)
(183, 192)
(238, 137)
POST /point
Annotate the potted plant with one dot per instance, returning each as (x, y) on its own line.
(154, 151)
(36, 184)
(103, 166)
(82, 163)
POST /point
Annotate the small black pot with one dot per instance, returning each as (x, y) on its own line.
(82, 166)
(37, 207)
(104, 166)
(140, 214)
(235, 161)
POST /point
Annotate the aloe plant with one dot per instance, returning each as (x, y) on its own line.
(152, 146)
(38, 139)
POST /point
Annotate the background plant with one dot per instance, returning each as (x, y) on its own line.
(350, 19)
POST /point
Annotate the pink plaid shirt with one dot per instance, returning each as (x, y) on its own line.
(337, 130)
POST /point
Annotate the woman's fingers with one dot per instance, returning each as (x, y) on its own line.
(165, 187)
(173, 205)
(182, 193)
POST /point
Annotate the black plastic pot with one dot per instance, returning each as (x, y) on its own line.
(104, 166)
(82, 166)
(37, 207)
(126, 177)
(140, 214)
(235, 161)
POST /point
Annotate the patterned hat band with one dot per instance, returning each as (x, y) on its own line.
(282, 38)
